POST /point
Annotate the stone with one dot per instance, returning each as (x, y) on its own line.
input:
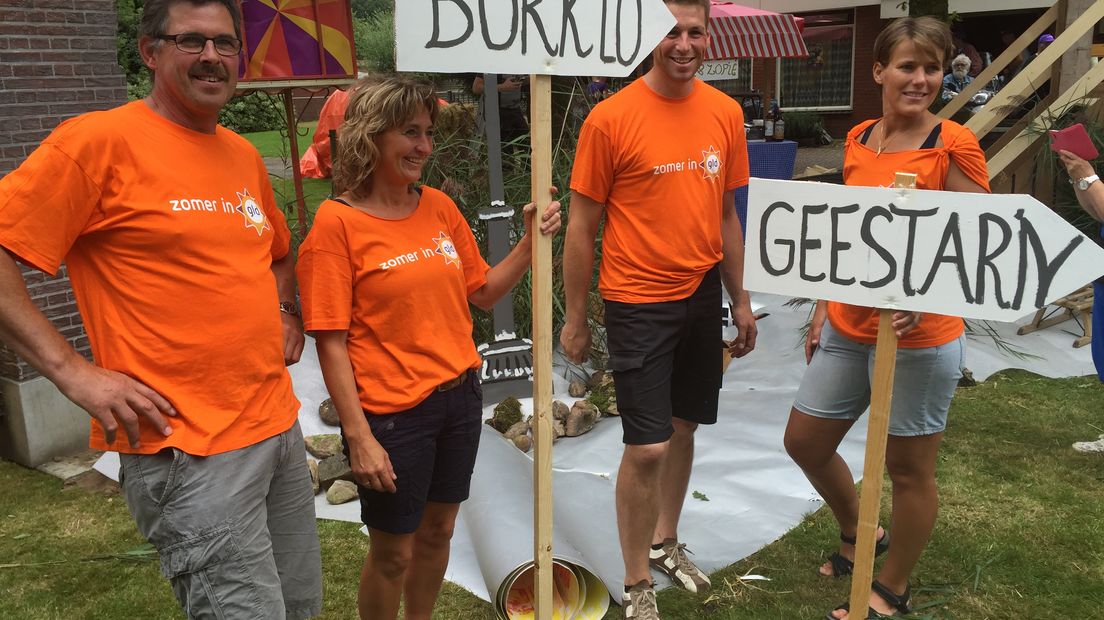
(523, 442)
(323, 447)
(597, 379)
(967, 379)
(559, 410)
(612, 409)
(518, 429)
(581, 419)
(558, 429)
(506, 414)
(312, 465)
(332, 469)
(576, 389)
(341, 492)
(328, 413)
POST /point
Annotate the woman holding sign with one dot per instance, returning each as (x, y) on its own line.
(909, 59)
(386, 274)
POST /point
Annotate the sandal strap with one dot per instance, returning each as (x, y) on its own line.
(880, 546)
(841, 566)
(900, 602)
(849, 540)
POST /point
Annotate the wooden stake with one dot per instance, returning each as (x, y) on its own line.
(296, 171)
(881, 403)
(540, 129)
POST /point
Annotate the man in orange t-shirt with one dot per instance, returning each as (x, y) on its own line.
(660, 160)
(180, 263)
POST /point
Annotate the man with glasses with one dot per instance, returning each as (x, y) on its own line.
(180, 263)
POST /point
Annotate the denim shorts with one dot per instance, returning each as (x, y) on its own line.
(837, 383)
(235, 531)
(432, 448)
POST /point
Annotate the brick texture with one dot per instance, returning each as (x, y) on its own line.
(57, 60)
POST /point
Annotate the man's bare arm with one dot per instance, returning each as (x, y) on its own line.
(732, 275)
(110, 397)
(284, 272)
(584, 217)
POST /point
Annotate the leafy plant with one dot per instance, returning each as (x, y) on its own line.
(374, 37)
(803, 125)
(253, 112)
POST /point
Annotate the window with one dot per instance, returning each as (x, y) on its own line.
(823, 80)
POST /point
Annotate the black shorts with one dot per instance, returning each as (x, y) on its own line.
(666, 361)
(432, 448)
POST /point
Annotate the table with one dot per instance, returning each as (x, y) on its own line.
(766, 160)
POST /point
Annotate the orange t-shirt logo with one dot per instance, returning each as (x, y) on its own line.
(446, 249)
(252, 212)
(711, 164)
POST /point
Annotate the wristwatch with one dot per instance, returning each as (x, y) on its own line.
(1084, 183)
(289, 307)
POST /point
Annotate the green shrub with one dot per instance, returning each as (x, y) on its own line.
(801, 125)
(252, 112)
(374, 38)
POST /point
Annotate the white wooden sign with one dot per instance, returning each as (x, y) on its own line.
(547, 37)
(713, 70)
(983, 256)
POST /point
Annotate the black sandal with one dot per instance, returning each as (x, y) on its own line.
(900, 603)
(841, 566)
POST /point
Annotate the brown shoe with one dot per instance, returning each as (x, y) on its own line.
(672, 561)
(639, 603)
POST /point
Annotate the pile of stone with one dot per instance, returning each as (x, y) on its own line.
(330, 472)
(598, 401)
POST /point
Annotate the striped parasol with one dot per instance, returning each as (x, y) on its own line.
(743, 32)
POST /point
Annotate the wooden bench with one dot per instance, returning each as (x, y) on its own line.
(1077, 306)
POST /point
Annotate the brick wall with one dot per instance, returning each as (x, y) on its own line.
(866, 99)
(57, 60)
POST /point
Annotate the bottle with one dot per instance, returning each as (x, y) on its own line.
(768, 125)
(780, 129)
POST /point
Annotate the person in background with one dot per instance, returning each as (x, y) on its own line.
(1007, 39)
(964, 47)
(1090, 195)
(387, 272)
(959, 77)
(511, 106)
(909, 56)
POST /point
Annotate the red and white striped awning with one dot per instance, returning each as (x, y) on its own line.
(743, 32)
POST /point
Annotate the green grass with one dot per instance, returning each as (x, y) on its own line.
(1019, 535)
(275, 143)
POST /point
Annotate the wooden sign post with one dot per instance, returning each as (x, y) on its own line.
(877, 434)
(554, 37)
(997, 257)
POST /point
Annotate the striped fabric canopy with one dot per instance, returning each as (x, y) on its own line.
(743, 32)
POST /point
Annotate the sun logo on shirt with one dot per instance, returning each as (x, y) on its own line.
(447, 249)
(711, 164)
(252, 212)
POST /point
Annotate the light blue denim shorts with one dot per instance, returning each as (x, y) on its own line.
(837, 383)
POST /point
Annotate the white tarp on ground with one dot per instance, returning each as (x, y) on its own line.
(755, 493)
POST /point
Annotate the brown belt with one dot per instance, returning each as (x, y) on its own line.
(453, 383)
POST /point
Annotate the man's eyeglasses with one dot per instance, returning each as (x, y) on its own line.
(193, 43)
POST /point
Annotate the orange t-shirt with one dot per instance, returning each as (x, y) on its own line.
(400, 288)
(661, 167)
(862, 166)
(316, 162)
(169, 237)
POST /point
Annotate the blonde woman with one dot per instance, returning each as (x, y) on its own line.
(386, 274)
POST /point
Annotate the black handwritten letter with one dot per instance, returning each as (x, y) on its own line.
(951, 235)
(913, 216)
(529, 11)
(606, 57)
(1047, 270)
(807, 243)
(868, 239)
(786, 243)
(628, 62)
(491, 45)
(569, 18)
(985, 258)
(435, 39)
(839, 246)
